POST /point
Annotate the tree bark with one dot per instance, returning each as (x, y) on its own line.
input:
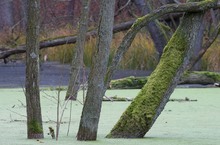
(156, 32)
(147, 106)
(198, 47)
(205, 47)
(34, 118)
(92, 107)
(77, 60)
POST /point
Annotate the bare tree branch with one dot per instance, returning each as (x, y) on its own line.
(121, 8)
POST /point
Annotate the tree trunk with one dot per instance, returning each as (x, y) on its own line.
(23, 14)
(70, 11)
(156, 32)
(92, 107)
(34, 118)
(208, 42)
(150, 102)
(198, 47)
(77, 60)
(6, 14)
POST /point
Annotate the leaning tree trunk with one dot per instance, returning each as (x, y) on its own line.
(34, 118)
(77, 60)
(149, 103)
(92, 107)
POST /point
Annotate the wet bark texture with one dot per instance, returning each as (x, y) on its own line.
(34, 118)
(92, 107)
(139, 117)
(77, 60)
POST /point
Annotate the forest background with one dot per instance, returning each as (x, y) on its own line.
(60, 18)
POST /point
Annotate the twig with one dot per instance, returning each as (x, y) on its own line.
(84, 81)
(70, 117)
(58, 110)
(121, 8)
(49, 95)
(79, 101)
(17, 113)
(109, 98)
(22, 104)
(59, 118)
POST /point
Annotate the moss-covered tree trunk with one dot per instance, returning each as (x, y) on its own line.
(151, 100)
(34, 118)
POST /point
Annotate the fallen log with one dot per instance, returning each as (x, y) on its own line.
(59, 41)
(194, 77)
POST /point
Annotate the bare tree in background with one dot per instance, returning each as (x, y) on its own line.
(77, 60)
(23, 13)
(6, 14)
(156, 32)
(70, 11)
(34, 118)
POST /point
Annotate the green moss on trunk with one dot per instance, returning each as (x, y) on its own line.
(35, 127)
(140, 114)
(149, 103)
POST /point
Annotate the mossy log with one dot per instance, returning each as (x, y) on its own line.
(128, 83)
(200, 77)
(194, 77)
